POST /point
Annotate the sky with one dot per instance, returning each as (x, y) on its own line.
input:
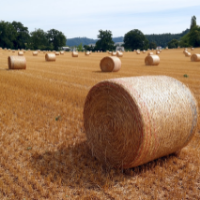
(84, 18)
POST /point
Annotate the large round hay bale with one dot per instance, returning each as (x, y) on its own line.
(16, 62)
(20, 53)
(35, 53)
(50, 57)
(195, 57)
(110, 64)
(119, 54)
(131, 121)
(74, 54)
(152, 60)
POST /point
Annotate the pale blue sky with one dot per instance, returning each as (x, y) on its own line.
(84, 18)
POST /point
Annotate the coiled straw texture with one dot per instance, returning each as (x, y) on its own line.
(152, 60)
(131, 121)
(110, 64)
(16, 62)
(195, 57)
(50, 57)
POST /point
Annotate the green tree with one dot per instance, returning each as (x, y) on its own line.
(39, 39)
(80, 47)
(135, 39)
(105, 41)
(173, 44)
(152, 45)
(7, 35)
(193, 22)
(194, 36)
(56, 38)
(22, 36)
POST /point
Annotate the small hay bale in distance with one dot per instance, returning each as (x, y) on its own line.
(152, 60)
(57, 53)
(62, 53)
(50, 57)
(187, 54)
(35, 53)
(195, 57)
(16, 62)
(150, 53)
(128, 121)
(137, 52)
(74, 54)
(113, 54)
(87, 53)
(110, 64)
(20, 53)
(119, 54)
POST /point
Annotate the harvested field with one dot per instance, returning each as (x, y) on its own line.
(43, 147)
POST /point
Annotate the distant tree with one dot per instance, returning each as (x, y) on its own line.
(193, 22)
(56, 38)
(105, 41)
(152, 45)
(8, 35)
(80, 47)
(22, 37)
(173, 44)
(39, 40)
(88, 48)
(194, 36)
(135, 39)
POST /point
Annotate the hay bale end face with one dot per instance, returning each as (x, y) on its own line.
(50, 57)
(127, 123)
(16, 62)
(74, 54)
(110, 64)
(152, 60)
(195, 57)
(20, 53)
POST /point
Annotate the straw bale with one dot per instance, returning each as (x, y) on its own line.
(152, 60)
(57, 53)
(195, 57)
(62, 53)
(113, 54)
(131, 121)
(20, 53)
(35, 53)
(119, 54)
(187, 54)
(150, 53)
(16, 62)
(50, 57)
(137, 52)
(74, 54)
(13, 51)
(157, 52)
(87, 53)
(110, 64)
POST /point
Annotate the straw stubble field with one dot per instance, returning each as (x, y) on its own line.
(43, 147)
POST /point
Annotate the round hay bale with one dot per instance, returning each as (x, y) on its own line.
(13, 51)
(131, 121)
(57, 53)
(195, 57)
(152, 60)
(50, 57)
(62, 53)
(110, 64)
(157, 52)
(138, 52)
(16, 62)
(187, 54)
(87, 53)
(113, 54)
(35, 53)
(150, 53)
(74, 54)
(20, 53)
(119, 54)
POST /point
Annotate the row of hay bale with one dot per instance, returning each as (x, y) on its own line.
(194, 57)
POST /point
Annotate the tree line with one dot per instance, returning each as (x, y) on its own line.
(16, 36)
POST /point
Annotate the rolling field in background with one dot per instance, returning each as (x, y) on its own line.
(44, 154)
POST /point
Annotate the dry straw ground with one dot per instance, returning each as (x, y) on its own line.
(42, 141)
